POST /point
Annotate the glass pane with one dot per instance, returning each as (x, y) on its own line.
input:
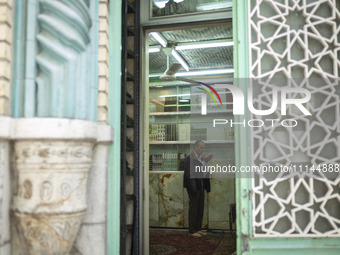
(176, 7)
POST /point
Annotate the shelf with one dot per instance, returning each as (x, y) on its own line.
(185, 113)
(190, 142)
(166, 172)
(168, 113)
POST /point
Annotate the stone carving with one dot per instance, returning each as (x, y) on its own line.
(63, 78)
(26, 189)
(46, 233)
(51, 201)
(4, 197)
(65, 190)
(2, 168)
(46, 191)
(73, 152)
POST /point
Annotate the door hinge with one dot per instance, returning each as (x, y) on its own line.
(247, 193)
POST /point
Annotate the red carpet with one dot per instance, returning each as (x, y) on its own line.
(180, 242)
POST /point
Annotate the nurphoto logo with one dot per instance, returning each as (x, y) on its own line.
(239, 102)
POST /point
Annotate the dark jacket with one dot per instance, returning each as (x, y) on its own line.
(195, 181)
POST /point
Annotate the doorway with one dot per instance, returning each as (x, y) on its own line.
(179, 60)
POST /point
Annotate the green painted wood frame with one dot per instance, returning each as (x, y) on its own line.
(113, 228)
(242, 135)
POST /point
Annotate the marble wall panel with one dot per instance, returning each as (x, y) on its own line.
(171, 200)
(222, 194)
(153, 200)
(186, 208)
(90, 240)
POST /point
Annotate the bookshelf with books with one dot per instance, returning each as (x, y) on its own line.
(175, 123)
(174, 126)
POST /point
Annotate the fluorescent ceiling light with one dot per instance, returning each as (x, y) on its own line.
(159, 38)
(207, 72)
(155, 75)
(214, 6)
(180, 60)
(204, 45)
(154, 49)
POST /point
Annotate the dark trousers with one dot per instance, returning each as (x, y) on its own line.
(196, 208)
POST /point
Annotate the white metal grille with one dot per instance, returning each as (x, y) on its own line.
(296, 39)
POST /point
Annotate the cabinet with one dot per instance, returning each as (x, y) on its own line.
(175, 123)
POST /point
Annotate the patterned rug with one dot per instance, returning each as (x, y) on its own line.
(180, 242)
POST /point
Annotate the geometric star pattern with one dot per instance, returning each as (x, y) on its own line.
(296, 43)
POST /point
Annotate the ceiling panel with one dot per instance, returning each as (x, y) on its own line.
(209, 58)
(197, 59)
(199, 34)
(157, 62)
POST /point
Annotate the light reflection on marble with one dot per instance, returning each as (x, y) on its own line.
(222, 194)
(186, 208)
(154, 200)
(169, 202)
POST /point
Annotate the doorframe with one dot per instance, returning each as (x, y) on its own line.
(114, 119)
(242, 135)
(144, 164)
(144, 125)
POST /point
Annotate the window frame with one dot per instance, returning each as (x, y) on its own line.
(148, 20)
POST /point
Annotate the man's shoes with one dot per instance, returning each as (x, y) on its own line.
(202, 233)
(196, 234)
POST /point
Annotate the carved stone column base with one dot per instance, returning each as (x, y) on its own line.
(51, 161)
(46, 233)
(5, 197)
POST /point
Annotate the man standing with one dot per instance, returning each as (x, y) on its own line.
(196, 182)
